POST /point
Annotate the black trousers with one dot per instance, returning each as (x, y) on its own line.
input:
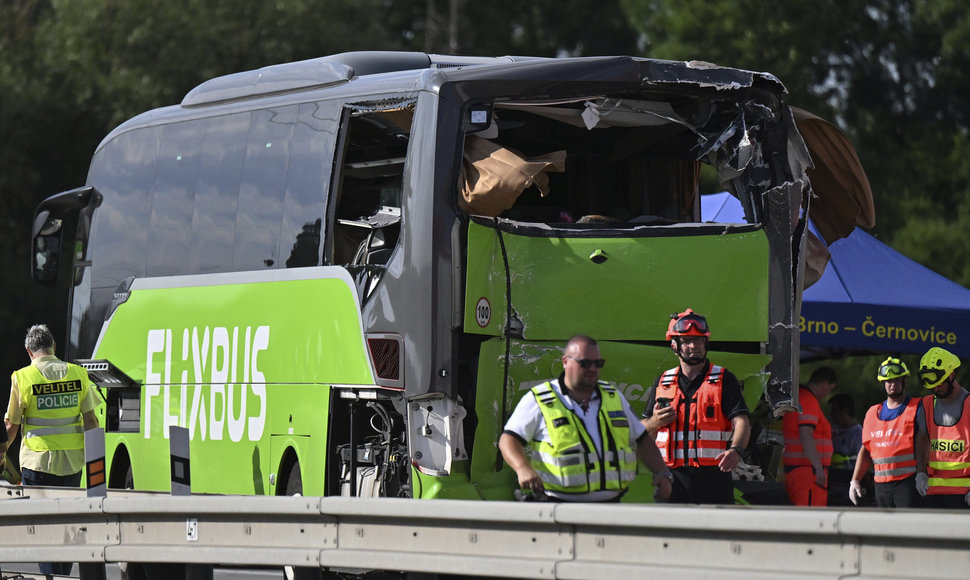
(707, 485)
(898, 494)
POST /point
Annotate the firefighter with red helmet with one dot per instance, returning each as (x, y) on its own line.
(697, 414)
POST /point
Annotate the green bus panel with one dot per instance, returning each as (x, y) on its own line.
(246, 367)
(558, 290)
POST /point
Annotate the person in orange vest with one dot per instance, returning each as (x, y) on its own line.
(697, 414)
(808, 442)
(889, 443)
(943, 440)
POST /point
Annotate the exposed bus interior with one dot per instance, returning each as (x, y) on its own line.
(368, 192)
(369, 456)
(628, 162)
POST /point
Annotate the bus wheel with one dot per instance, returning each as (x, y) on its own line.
(292, 481)
(293, 485)
(121, 475)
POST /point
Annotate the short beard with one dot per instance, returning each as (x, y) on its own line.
(692, 361)
(949, 390)
(898, 395)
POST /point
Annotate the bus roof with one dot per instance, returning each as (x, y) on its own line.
(328, 71)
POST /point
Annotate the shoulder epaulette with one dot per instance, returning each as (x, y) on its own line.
(544, 393)
(669, 377)
(607, 388)
(717, 373)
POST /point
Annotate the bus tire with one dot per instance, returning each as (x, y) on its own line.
(121, 474)
(292, 482)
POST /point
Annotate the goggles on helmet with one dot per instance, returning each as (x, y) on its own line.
(935, 366)
(687, 323)
(691, 321)
(930, 378)
(891, 368)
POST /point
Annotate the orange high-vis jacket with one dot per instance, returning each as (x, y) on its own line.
(695, 440)
(891, 443)
(811, 415)
(949, 468)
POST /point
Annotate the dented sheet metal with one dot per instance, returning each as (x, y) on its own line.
(733, 120)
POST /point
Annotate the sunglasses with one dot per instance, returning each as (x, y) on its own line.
(691, 321)
(589, 362)
(929, 377)
(891, 368)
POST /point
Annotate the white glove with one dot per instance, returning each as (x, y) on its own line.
(856, 492)
(922, 483)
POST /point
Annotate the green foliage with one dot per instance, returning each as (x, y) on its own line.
(893, 74)
(547, 28)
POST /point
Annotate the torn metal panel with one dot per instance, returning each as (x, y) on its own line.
(843, 196)
(784, 305)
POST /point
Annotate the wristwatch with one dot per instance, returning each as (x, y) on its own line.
(738, 449)
(665, 473)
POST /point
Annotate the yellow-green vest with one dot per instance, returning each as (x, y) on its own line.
(569, 462)
(52, 409)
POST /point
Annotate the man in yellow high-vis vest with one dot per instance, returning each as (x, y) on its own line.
(584, 438)
(54, 402)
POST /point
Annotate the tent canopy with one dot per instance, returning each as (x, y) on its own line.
(871, 298)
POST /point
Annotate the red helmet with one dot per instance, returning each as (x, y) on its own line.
(687, 323)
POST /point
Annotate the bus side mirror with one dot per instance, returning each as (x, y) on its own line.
(47, 234)
(54, 215)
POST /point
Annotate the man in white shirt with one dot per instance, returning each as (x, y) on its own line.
(583, 435)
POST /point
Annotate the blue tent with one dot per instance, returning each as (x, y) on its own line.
(871, 298)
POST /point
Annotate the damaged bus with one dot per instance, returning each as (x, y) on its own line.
(339, 275)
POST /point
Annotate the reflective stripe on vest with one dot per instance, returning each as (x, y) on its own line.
(52, 409)
(949, 466)
(570, 461)
(696, 440)
(891, 443)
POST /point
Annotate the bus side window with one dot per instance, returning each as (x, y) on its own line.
(307, 183)
(368, 210)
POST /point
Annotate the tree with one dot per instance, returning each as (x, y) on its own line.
(893, 74)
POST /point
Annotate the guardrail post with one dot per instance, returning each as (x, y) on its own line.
(96, 478)
(96, 482)
(178, 439)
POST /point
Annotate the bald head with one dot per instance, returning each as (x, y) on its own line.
(578, 343)
(581, 349)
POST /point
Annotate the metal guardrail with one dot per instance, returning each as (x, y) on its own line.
(494, 539)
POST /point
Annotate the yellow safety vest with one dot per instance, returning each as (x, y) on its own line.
(52, 415)
(570, 462)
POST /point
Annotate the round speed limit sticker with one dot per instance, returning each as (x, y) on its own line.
(483, 312)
